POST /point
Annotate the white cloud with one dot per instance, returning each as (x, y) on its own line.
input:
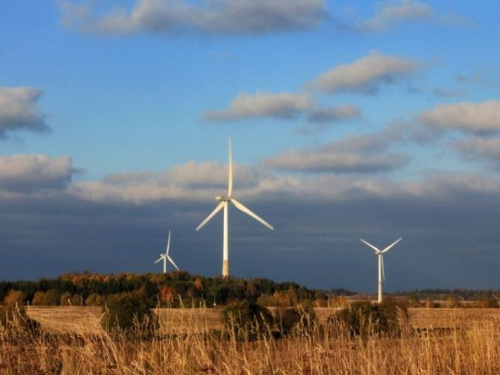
(28, 173)
(191, 181)
(209, 16)
(467, 117)
(324, 161)
(355, 154)
(285, 187)
(263, 105)
(38, 176)
(19, 110)
(197, 182)
(283, 106)
(389, 14)
(366, 74)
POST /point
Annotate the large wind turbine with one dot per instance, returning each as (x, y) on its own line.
(381, 273)
(166, 257)
(224, 204)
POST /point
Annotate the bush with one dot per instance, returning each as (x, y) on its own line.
(94, 300)
(297, 321)
(128, 312)
(68, 299)
(49, 298)
(247, 320)
(365, 319)
(487, 302)
(395, 313)
(287, 320)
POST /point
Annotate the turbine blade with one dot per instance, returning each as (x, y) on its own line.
(369, 244)
(212, 214)
(383, 270)
(159, 260)
(171, 261)
(168, 243)
(230, 179)
(391, 245)
(241, 207)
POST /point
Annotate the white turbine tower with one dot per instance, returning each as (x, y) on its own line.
(224, 204)
(381, 273)
(166, 257)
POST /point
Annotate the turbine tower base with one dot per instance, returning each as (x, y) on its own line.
(225, 268)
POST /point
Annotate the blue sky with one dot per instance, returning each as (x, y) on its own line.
(370, 120)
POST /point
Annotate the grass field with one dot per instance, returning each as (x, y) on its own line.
(77, 319)
(437, 341)
(64, 319)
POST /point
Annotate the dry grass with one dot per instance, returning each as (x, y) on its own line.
(68, 319)
(181, 321)
(472, 348)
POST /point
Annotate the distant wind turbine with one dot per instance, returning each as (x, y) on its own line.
(224, 204)
(381, 273)
(166, 257)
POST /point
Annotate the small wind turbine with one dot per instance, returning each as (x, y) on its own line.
(224, 204)
(166, 257)
(381, 273)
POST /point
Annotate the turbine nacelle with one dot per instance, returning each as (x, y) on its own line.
(221, 198)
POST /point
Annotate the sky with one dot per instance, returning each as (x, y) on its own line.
(349, 120)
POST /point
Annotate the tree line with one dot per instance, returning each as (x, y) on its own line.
(174, 289)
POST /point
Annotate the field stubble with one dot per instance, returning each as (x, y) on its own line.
(469, 344)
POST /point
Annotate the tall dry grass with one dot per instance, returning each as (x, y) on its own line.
(465, 346)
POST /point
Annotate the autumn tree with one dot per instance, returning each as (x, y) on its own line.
(48, 298)
(14, 298)
(94, 300)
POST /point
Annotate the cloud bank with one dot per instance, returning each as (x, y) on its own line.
(281, 106)
(189, 182)
(354, 154)
(32, 173)
(224, 17)
(118, 224)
